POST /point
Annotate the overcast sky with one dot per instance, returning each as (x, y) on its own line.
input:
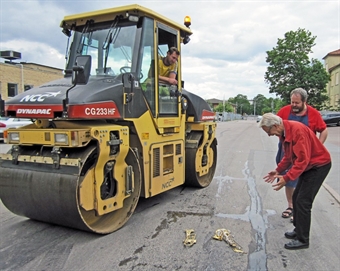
(226, 54)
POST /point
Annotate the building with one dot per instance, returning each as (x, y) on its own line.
(214, 102)
(332, 65)
(18, 77)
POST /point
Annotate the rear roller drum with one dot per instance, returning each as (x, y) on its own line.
(192, 170)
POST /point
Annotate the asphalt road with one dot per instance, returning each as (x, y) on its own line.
(238, 200)
(332, 183)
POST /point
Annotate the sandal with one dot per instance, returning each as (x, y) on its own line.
(287, 213)
(292, 219)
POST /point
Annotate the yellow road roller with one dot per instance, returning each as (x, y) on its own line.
(110, 131)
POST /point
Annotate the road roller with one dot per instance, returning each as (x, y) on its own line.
(109, 131)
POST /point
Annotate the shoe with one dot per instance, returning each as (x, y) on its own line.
(296, 244)
(290, 234)
(287, 213)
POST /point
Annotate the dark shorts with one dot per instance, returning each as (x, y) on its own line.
(292, 184)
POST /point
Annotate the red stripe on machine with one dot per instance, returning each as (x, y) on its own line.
(207, 115)
(36, 111)
(94, 110)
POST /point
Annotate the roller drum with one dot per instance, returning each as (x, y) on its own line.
(44, 196)
(51, 195)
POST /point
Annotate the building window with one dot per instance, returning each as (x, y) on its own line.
(12, 90)
(27, 87)
(337, 79)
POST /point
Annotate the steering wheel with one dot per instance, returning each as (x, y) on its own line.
(125, 69)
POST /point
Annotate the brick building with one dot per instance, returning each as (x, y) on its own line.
(16, 77)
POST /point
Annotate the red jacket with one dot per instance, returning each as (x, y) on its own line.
(303, 150)
(315, 121)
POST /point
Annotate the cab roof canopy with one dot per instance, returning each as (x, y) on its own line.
(104, 15)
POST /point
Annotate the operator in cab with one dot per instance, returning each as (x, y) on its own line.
(168, 66)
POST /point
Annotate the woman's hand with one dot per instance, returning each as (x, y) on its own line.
(271, 176)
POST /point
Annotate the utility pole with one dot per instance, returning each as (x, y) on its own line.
(22, 76)
(223, 108)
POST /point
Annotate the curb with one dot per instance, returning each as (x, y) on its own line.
(331, 191)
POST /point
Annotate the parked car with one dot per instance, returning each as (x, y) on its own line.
(258, 118)
(6, 123)
(331, 118)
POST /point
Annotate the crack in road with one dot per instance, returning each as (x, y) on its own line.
(257, 257)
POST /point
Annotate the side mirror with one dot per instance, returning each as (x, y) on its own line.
(81, 70)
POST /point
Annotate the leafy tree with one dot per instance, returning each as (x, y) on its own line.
(261, 105)
(241, 104)
(227, 108)
(290, 67)
(278, 104)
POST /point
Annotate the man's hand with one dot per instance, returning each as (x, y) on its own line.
(167, 80)
(270, 177)
(281, 183)
(172, 81)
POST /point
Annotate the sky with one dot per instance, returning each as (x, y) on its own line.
(227, 52)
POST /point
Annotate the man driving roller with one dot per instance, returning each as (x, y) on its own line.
(168, 67)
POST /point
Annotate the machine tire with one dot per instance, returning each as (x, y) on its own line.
(192, 177)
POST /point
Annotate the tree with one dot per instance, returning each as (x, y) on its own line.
(227, 108)
(261, 105)
(290, 67)
(241, 104)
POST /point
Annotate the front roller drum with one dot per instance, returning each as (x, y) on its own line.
(53, 197)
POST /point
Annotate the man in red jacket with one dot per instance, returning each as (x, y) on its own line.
(298, 110)
(304, 157)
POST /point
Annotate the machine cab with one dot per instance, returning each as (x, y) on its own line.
(133, 41)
